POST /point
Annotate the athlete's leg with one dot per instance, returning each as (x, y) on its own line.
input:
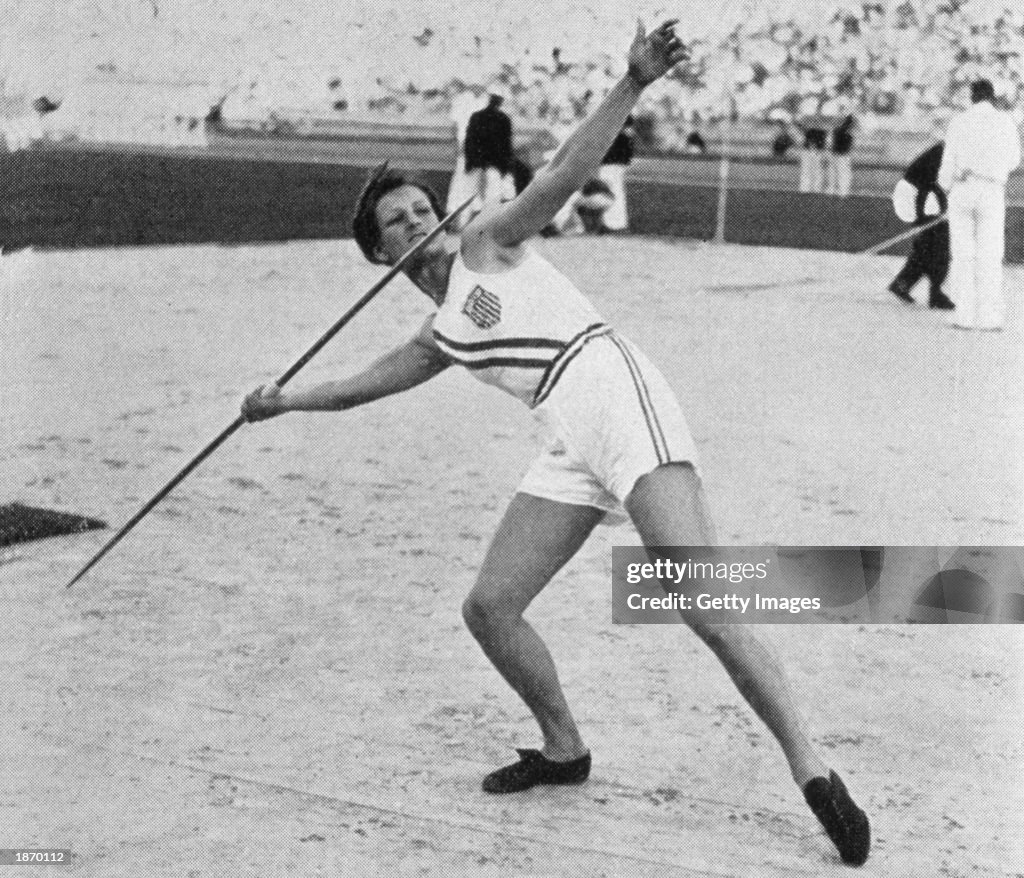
(535, 539)
(669, 509)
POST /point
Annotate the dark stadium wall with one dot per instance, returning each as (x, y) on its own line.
(66, 199)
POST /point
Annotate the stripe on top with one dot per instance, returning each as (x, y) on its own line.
(522, 353)
(646, 405)
(492, 362)
(498, 343)
(558, 365)
(549, 354)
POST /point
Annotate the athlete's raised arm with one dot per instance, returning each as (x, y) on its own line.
(650, 57)
(408, 365)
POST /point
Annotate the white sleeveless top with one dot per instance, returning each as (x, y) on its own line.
(517, 329)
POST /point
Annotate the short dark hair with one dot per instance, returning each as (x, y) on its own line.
(982, 90)
(364, 222)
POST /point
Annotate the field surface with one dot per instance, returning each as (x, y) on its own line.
(270, 676)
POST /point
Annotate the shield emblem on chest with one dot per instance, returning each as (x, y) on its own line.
(483, 308)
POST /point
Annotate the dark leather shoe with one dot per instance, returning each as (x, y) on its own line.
(941, 301)
(844, 822)
(535, 768)
(901, 292)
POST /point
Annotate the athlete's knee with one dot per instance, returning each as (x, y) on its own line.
(486, 611)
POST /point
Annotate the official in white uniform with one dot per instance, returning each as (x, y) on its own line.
(619, 439)
(982, 147)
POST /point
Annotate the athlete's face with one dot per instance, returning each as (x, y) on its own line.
(404, 216)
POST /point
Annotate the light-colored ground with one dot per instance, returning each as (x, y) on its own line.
(271, 677)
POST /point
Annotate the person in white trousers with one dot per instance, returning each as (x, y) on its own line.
(982, 148)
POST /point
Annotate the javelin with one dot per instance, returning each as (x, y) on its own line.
(284, 379)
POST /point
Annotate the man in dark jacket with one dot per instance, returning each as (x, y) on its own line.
(488, 152)
(929, 254)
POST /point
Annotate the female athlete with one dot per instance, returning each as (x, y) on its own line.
(621, 440)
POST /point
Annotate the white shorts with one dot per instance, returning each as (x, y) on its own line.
(612, 418)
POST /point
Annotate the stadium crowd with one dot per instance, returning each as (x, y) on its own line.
(893, 65)
(909, 65)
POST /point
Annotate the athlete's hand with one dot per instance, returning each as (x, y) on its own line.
(652, 55)
(263, 403)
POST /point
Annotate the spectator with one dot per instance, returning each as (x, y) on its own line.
(594, 201)
(812, 160)
(783, 142)
(488, 152)
(613, 173)
(919, 199)
(695, 144)
(567, 220)
(464, 104)
(521, 172)
(839, 177)
(215, 116)
(43, 105)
